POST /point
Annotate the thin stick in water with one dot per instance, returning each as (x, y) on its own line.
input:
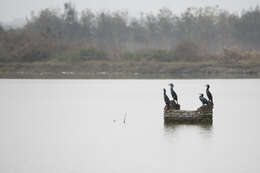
(125, 117)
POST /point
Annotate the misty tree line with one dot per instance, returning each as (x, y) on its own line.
(115, 34)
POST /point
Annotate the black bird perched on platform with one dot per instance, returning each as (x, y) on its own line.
(174, 95)
(209, 94)
(166, 98)
(203, 100)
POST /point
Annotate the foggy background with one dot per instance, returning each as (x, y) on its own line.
(133, 37)
(15, 11)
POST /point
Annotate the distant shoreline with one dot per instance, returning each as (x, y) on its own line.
(128, 70)
(117, 76)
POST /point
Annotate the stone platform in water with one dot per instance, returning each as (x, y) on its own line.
(203, 114)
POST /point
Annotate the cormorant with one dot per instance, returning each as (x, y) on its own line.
(174, 95)
(166, 98)
(209, 94)
(203, 100)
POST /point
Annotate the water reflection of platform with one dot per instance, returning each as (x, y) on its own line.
(173, 125)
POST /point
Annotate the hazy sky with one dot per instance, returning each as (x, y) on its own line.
(19, 9)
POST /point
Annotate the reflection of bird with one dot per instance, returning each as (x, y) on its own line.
(203, 100)
(166, 98)
(174, 95)
(209, 94)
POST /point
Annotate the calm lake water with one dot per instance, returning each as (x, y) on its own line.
(76, 126)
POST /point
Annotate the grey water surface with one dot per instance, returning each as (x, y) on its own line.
(77, 126)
